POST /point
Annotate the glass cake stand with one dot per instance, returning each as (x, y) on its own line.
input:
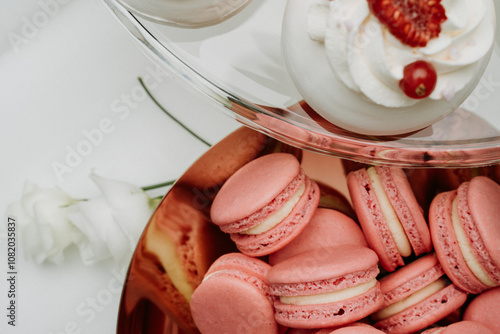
(237, 65)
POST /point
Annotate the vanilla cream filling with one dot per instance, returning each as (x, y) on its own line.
(466, 249)
(222, 272)
(162, 245)
(409, 301)
(393, 222)
(329, 297)
(270, 222)
(207, 277)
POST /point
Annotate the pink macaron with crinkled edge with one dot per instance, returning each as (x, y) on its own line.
(234, 297)
(354, 328)
(466, 234)
(265, 204)
(416, 296)
(332, 288)
(390, 216)
(327, 228)
(461, 327)
(484, 309)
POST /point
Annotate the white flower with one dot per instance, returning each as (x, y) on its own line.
(102, 227)
(44, 227)
(112, 223)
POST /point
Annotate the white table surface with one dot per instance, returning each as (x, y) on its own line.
(63, 66)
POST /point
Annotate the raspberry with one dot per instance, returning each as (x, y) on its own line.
(413, 22)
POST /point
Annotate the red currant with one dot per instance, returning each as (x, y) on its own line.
(419, 79)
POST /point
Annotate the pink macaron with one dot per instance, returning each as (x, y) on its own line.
(332, 288)
(461, 327)
(327, 228)
(466, 233)
(265, 204)
(354, 328)
(416, 296)
(234, 297)
(484, 309)
(389, 214)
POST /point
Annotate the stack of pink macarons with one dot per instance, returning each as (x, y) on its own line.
(396, 267)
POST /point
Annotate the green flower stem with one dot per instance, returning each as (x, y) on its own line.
(169, 115)
(159, 185)
(155, 201)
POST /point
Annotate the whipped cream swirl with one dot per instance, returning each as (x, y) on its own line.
(368, 59)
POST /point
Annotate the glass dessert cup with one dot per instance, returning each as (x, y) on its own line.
(237, 65)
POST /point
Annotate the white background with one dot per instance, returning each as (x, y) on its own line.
(63, 65)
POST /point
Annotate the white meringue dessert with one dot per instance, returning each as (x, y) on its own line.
(347, 65)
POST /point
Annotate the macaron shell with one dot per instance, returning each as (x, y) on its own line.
(299, 183)
(410, 278)
(334, 262)
(484, 309)
(245, 268)
(239, 261)
(329, 314)
(408, 210)
(465, 327)
(372, 220)
(283, 233)
(425, 313)
(253, 186)
(446, 245)
(355, 328)
(327, 228)
(227, 305)
(483, 198)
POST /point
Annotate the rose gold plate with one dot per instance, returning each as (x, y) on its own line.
(180, 237)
